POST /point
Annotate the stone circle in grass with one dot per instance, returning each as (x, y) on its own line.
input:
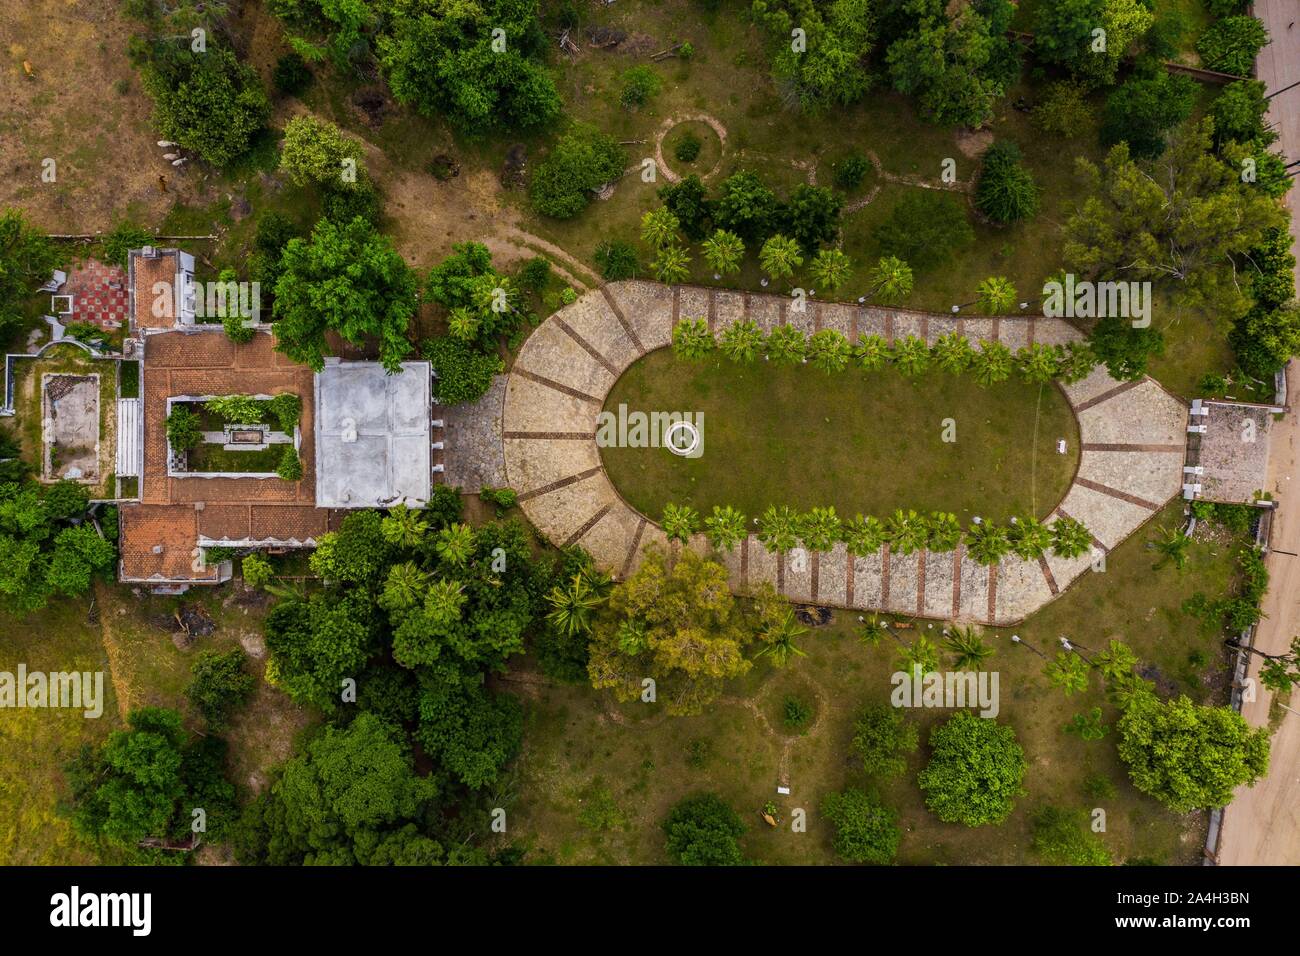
(867, 442)
(693, 148)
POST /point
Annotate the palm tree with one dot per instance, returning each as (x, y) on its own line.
(820, 529)
(1030, 538)
(778, 528)
(953, 353)
(912, 356)
(573, 607)
(779, 257)
(1116, 663)
(631, 637)
(1070, 539)
(779, 640)
(680, 522)
(443, 601)
(1068, 672)
(871, 352)
(987, 543)
(995, 295)
(691, 339)
(786, 345)
(403, 587)
(864, 536)
(872, 630)
(831, 268)
(891, 280)
(1040, 363)
(1172, 547)
(725, 528)
(907, 532)
(829, 351)
(992, 363)
(944, 531)
(968, 648)
(403, 527)
(741, 341)
(672, 265)
(462, 324)
(659, 228)
(724, 251)
(920, 653)
(455, 544)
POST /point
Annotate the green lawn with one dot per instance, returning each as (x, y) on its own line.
(211, 457)
(864, 442)
(595, 779)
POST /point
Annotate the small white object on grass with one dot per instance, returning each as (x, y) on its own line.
(784, 791)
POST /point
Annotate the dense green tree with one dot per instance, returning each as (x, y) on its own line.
(704, 831)
(812, 216)
(1239, 114)
(1231, 44)
(1064, 33)
(315, 151)
(346, 279)
(316, 645)
(1124, 349)
(1146, 107)
(866, 830)
(580, 162)
(1181, 229)
(747, 207)
(883, 737)
(975, 771)
(1005, 191)
(1062, 838)
(27, 260)
(219, 685)
(464, 373)
(832, 68)
(1189, 756)
(688, 200)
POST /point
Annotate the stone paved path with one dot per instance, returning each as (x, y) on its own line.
(1133, 437)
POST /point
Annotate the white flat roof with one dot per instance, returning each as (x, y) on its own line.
(372, 435)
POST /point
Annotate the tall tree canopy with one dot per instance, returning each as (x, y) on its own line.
(348, 279)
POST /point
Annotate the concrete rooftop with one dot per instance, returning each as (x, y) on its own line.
(372, 435)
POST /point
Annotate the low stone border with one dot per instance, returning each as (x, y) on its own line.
(1132, 434)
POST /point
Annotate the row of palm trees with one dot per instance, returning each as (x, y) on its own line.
(782, 529)
(830, 350)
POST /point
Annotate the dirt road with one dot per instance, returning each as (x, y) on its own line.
(1262, 825)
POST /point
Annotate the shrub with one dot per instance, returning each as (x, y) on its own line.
(291, 75)
(1005, 191)
(464, 373)
(1144, 108)
(866, 831)
(290, 467)
(851, 171)
(703, 831)
(342, 202)
(287, 410)
(796, 714)
(1063, 110)
(183, 432)
(535, 274)
(640, 83)
(1231, 44)
(883, 737)
(688, 148)
(256, 570)
(502, 498)
(582, 160)
(1062, 837)
(219, 686)
(975, 771)
(925, 229)
(235, 409)
(124, 237)
(616, 260)
(688, 202)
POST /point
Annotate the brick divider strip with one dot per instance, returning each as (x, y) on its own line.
(920, 581)
(558, 386)
(957, 557)
(993, 591)
(1107, 395)
(1120, 446)
(590, 523)
(1116, 493)
(631, 552)
(622, 320)
(557, 485)
(884, 577)
(1048, 576)
(848, 577)
(816, 572)
(587, 347)
(552, 436)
